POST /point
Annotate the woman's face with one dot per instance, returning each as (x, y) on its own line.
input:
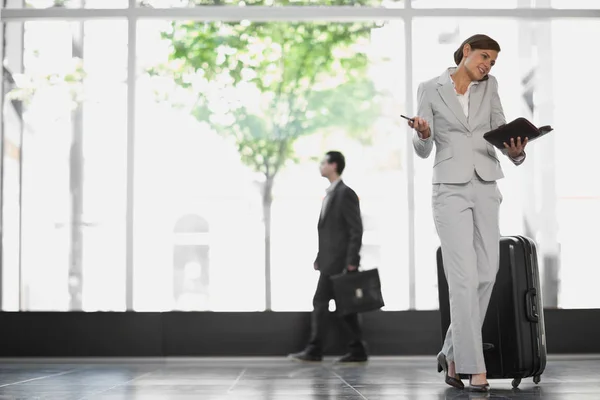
(478, 63)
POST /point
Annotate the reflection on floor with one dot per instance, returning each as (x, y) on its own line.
(410, 378)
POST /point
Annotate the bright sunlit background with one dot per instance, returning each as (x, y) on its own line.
(198, 228)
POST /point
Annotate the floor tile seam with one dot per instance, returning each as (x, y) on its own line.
(88, 396)
(40, 377)
(347, 384)
(239, 377)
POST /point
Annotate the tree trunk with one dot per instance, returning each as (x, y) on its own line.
(2, 151)
(76, 192)
(267, 195)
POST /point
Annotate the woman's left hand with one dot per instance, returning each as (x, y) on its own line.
(516, 148)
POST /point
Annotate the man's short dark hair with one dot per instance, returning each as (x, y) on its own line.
(337, 158)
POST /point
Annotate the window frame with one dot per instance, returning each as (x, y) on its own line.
(134, 13)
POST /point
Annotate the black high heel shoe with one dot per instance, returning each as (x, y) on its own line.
(478, 388)
(443, 364)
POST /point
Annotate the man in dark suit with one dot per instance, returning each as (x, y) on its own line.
(340, 239)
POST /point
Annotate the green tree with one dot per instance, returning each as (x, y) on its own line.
(265, 85)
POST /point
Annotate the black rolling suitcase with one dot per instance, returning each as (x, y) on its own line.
(514, 338)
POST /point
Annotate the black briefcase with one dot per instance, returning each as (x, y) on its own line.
(357, 292)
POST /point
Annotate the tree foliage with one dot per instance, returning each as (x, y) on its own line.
(191, 3)
(266, 84)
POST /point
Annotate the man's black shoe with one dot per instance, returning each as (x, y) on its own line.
(352, 358)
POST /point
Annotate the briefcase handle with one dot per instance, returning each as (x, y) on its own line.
(346, 271)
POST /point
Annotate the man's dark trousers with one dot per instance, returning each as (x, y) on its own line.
(320, 317)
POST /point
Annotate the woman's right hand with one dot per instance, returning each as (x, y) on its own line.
(421, 126)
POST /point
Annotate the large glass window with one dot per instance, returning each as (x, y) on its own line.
(260, 115)
(277, 3)
(65, 125)
(541, 198)
(434, 42)
(465, 4)
(578, 191)
(231, 119)
(577, 4)
(506, 4)
(12, 127)
(67, 3)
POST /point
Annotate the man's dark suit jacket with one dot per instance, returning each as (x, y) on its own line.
(340, 232)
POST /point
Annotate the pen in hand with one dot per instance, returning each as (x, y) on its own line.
(409, 119)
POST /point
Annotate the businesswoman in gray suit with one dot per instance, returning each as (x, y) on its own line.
(454, 111)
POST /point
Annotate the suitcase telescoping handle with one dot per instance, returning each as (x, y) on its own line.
(531, 305)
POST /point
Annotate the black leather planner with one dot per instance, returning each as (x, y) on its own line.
(520, 127)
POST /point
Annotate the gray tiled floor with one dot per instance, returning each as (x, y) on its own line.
(571, 378)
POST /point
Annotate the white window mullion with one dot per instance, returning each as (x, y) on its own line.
(131, 114)
(291, 13)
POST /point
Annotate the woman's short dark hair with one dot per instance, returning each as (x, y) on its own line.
(479, 41)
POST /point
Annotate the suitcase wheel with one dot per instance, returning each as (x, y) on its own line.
(537, 379)
(516, 382)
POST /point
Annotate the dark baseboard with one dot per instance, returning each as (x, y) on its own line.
(137, 334)
(80, 334)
